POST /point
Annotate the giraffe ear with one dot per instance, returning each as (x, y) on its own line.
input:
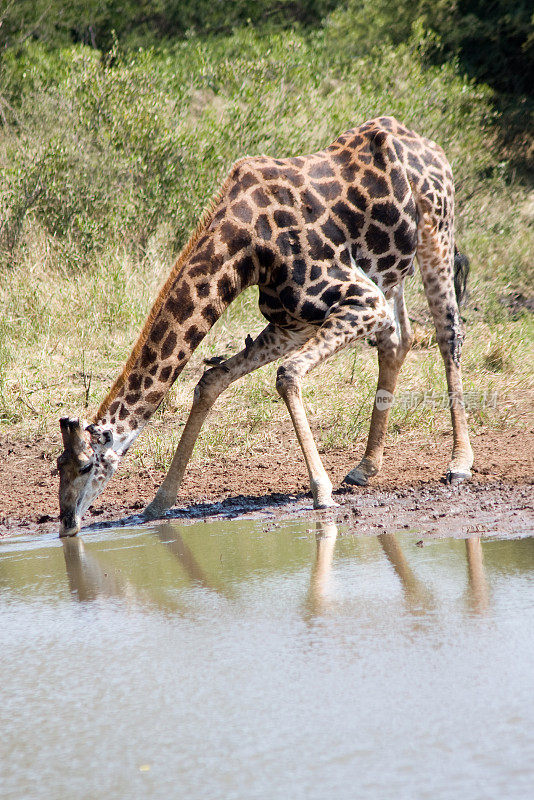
(65, 432)
(74, 440)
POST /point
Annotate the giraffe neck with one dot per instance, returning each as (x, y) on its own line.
(208, 275)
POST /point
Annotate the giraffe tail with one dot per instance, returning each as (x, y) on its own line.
(461, 272)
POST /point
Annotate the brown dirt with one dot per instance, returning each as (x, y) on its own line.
(412, 467)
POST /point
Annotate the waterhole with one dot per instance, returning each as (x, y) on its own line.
(254, 660)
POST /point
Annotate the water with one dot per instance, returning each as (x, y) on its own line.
(241, 660)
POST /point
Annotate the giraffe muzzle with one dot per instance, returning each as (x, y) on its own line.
(69, 525)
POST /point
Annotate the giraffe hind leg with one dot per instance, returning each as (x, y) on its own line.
(436, 258)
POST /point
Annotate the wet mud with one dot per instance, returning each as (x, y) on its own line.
(407, 495)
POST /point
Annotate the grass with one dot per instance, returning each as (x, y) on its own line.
(105, 171)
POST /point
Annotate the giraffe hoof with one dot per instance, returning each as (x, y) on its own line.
(356, 478)
(325, 504)
(457, 476)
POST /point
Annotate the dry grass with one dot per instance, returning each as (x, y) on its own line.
(74, 297)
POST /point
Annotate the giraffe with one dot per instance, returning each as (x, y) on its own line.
(329, 238)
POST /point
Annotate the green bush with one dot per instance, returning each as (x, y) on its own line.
(100, 154)
(493, 41)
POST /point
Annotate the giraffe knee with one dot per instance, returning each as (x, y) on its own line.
(209, 387)
(287, 381)
(386, 325)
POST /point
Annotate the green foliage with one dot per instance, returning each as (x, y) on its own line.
(97, 154)
(107, 162)
(97, 22)
(493, 41)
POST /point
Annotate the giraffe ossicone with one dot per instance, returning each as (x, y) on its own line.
(329, 238)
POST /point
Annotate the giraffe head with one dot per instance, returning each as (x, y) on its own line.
(85, 466)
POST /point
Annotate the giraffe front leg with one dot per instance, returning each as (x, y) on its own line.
(392, 349)
(459, 468)
(345, 323)
(288, 386)
(207, 390)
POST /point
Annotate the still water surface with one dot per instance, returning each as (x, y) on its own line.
(238, 661)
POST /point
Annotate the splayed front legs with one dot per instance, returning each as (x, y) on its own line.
(346, 322)
(271, 344)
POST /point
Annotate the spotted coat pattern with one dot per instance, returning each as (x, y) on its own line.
(328, 238)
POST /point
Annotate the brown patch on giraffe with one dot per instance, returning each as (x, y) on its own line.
(351, 219)
(386, 262)
(377, 240)
(168, 346)
(284, 219)
(134, 384)
(147, 356)
(283, 195)
(265, 256)
(210, 315)
(319, 249)
(311, 206)
(158, 330)
(245, 271)
(357, 198)
(261, 198)
(333, 232)
(153, 397)
(194, 336)
(180, 305)
(242, 211)
(376, 185)
(263, 227)
(288, 243)
(330, 190)
(296, 179)
(202, 289)
(241, 180)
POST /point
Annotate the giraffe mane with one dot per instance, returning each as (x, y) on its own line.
(205, 219)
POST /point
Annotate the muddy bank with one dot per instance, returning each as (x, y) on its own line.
(494, 509)
(408, 493)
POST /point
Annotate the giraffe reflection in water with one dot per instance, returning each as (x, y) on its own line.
(319, 598)
(417, 594)
(91, 578)
(478, 590)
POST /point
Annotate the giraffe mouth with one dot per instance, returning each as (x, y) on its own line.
(69, 525)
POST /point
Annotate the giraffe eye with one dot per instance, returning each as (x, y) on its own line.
(86, 468)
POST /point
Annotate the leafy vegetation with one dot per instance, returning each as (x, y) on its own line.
(107, 157)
